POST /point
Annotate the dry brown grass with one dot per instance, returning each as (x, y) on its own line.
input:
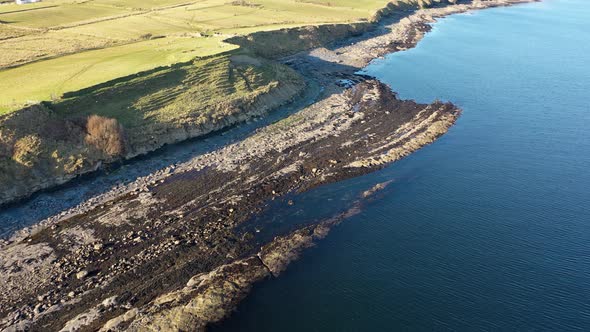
(106, 135)
(27, 150)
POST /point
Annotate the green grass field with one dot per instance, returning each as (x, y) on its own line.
(58, 46)
(50, 79)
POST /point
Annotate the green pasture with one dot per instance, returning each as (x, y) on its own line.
(47, 80)
(58, 46)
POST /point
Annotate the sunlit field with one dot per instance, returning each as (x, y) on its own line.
(58, 46)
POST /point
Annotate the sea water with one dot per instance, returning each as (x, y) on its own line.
(487, 229)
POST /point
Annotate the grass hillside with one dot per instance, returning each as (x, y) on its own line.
(47, 144)
(198, 92)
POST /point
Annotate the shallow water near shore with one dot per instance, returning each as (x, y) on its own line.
(486, 229)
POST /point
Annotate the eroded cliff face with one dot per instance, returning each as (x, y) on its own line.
(285, 42)
(39, 149)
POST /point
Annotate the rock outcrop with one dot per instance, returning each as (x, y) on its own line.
(153, 240)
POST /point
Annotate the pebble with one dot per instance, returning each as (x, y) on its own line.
(109, 302)
(38, 309)
(82, 274)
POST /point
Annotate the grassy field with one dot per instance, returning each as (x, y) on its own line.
(58, 46)
(50, 79)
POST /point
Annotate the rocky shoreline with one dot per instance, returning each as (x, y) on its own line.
(153, 239)
(75, 158)
(165, 252)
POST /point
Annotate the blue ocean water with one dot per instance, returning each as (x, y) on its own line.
(487, 229)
